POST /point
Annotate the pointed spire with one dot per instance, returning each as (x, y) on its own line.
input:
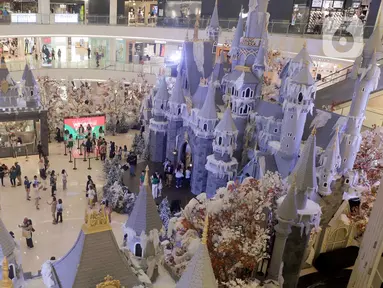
(199, 272)
(214, 21)
(238, 34)
(306, 169)
(261, 56)
(187, 35)
(303, 56)
(6, 282)
(288, 208)
(146, 179)
(177, 93)
(304, 76)
(208, 110)
(226, 125)
(221, 58)
(162, 92)
(205, 229)
(196, 27)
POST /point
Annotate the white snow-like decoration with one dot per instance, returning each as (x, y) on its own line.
(199, 56)
(239, 82)
(253, 4)
(341, 123)
(274, 147)
(345, 220)
(320, 119)
(221, 168)
(47, 274)
(262, 165)
(156, 126)
(129, 232)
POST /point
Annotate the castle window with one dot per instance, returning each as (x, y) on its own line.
(241, 110)
(245, 110)
(292, 116)
(204, 127)
(220, 141)
(344, 160)
(31, 92)
(138, 250)
(232, 90)
(325, 184)
(363, 89)
(186, 84)
(248, 93)
(347, 181)
(275, 130)
(231, 105)
(231, 141)
(162, 106)
(300, 97)
(243, 94)
(287, 145)
(349, 142)
(252, 94)
(294, 138)
(179, 111)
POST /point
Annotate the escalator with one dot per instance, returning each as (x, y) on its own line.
(338, 87)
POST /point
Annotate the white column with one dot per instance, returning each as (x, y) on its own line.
(112, 50)
(113, 12)
(21, 46)
(44, 11)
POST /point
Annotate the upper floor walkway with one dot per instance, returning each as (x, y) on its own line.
(283, 35)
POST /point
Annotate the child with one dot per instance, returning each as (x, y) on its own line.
(92, 196)
(53, 209)
(142, 177)
(179, 176)
(65, 178)
(27, 185)
(119, 153)
(155, 182)
(36, 190)
(187, 176)
(159, 185)
(126, 154)
(59, 210)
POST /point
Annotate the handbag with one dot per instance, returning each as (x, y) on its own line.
(26, 233)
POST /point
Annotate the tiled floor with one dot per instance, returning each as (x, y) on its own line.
(53, 240)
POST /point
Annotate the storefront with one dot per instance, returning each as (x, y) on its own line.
(141, 11)
(329, 15)
(100, 46)
(9, 47)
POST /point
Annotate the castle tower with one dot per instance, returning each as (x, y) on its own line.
(174, 116)
(299, 102)
(306, 183)
(82, 267)
(199, 272)
(30, 88)
(213, 30)
(204, 135)
(222, 166)
(286, 214)
(158, 124)
(143, 220)
(234, 49)
(330, 163)
(292, 68)
(367, 81)
(218, 71)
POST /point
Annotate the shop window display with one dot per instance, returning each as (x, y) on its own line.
(9, 47)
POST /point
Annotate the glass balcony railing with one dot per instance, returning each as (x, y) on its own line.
(90, 64)
(274, 27)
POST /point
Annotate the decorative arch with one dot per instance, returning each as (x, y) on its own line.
(338, 238)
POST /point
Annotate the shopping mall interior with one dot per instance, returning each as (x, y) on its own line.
(191, 144)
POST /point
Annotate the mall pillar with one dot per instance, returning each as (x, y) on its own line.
(112, 50)
(44, 131)
(44, 11)
(113, 12)
(21, 46)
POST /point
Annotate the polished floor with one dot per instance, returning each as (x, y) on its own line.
(53, 240)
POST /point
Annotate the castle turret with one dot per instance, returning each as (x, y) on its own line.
(222, 166)
(199, 97)
(218, 71)
(306, 183)
(199, 272)
(367, 81)
(286, 214)
(213, 29)
(174, 116)
(203, 129)
(158, 124)
(234, 49)
(299, 102)
(330, 163)
(292, 68)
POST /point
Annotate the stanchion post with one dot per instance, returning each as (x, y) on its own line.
(89, 168)
(81, 147)
(84, 155)
(74, 164)
(26, 153)
(65, 154)
(70, 157)
(97, 153)
(78, 142)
